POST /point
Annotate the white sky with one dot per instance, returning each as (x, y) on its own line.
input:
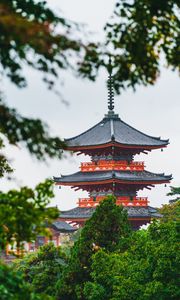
(153, 110)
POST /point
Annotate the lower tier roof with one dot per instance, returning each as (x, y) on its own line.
(62, 226)
(133, 212)
(84, 178)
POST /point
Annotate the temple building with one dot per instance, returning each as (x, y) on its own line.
(112, 145)
(60, 233)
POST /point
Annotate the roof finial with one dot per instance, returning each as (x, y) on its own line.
(110, 87)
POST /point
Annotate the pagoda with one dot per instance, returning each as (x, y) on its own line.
(112, 145)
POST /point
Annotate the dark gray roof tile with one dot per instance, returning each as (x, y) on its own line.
(63, 226)
(133, 212)
(106, 175)
(114, 129)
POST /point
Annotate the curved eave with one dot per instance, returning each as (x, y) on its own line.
(118, 145)
(134, 213)
(62, 230)
(111, 180)
(84, 219)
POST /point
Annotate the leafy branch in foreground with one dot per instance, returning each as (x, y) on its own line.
(139, 34)
(33, 35)
(29, 36)
(32, 133)
(4, 166)
(24, 213)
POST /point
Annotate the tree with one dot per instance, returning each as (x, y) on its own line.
(43, 268)
(171, 211)
(29, 37)
(175, 191)
(139, 32)
(24, 214)
(32, 35)
(14, 288)
(32, 133)
(106, 229)
(147, 270)
(138, 35)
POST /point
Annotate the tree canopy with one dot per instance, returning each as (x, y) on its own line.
(139, 36)
(13, 287)
(29, 37)
(147, 270)
(43, 268)
(139, 31)
(110, 261)
(24, 214)
(175, 191)
(107, 229)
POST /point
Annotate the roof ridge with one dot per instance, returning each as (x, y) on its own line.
(84, 131)
(159, 174)
(112, 129)
(157, 138)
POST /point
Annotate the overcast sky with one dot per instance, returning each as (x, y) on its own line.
(153, 110)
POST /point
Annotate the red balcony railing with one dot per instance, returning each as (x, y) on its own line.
(106, 165)
(125, 201)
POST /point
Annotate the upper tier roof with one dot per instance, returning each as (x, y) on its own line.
(113, 130)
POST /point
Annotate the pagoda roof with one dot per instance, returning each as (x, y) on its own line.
(62, 226)
(133, 212)
(111, 129)
(82, 178)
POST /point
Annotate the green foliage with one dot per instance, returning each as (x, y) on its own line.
(94, 291)
(5, 168)
(43, 268)
(23, 214)
(109, 261)
(13, 287)
(32, 133)
(29, 37)
(170, 212)
(174, 191)
(147, 270)
(104, 230)
(4, 165)
(139, 34)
